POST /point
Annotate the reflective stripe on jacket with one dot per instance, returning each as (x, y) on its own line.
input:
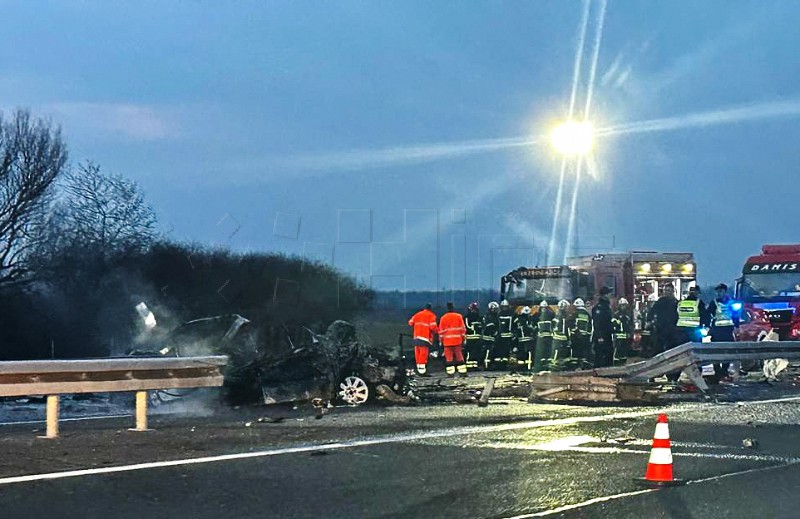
(424, 323)
(560, 328)
(724, 313)
(474, 325)
(452, 329)
(689, 313)
(506, 323)
(583, 323)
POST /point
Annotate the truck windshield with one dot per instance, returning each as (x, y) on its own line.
(534, 291)
(771, 287)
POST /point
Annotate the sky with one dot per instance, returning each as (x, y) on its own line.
(405, 142)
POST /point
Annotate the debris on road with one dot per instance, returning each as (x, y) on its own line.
(750, 443)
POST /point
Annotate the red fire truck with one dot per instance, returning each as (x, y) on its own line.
(770, 283)
(638, 276)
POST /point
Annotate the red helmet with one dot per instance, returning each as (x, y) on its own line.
(473, 306)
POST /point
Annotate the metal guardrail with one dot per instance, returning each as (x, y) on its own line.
(686, 357)
(139, 374)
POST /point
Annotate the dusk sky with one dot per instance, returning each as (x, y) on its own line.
(371, 135)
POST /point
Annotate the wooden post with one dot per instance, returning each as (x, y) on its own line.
(52, 416)
(141, 411)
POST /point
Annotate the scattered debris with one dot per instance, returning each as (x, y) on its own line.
(750, 443)
(269, 419)
(321, 407)
(387, 394)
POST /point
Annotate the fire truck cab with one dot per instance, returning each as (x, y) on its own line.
(770, 283)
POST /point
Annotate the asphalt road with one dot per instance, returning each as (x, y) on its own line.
(510, 460)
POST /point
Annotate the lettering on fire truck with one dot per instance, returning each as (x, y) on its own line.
(772, 267)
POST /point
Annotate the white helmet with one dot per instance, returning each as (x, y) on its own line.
(563, 303)
(579, 303)
(543, 304)
(526, 310)
(493, 305)
(622, 301)
(504, 302)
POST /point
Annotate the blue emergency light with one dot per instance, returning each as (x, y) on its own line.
(736, 306)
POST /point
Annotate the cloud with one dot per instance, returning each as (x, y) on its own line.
(133, 121)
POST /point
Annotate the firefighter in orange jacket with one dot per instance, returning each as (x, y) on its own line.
(452, 333)
(424, 323)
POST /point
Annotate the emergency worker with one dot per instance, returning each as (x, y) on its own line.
(424, 324)
(581, 333)
(505, 337)
(561, 347)
(525, 335)
(544, 338)
(691, 316)
(623, 332)
(491, 327)
(646, 337)
(474, 345)
(724, 319)
(452, 333)
(664, 316)
(603, 336)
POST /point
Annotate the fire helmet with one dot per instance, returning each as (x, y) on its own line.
(504, 303)
(493, 305)
(526, 310)
(579, 303)
(473, 307)
(622, 301)
(543, 304)
(563, 304)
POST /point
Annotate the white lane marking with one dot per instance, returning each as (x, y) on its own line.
(400, 438)
(409, 437)
(616, 450)
(74, 419)
(789, 463)
(567, 508)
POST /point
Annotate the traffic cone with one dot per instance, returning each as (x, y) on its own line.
(659, 467)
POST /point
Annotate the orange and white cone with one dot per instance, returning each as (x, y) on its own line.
(659, 467)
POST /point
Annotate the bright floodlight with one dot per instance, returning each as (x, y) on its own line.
(573, 138)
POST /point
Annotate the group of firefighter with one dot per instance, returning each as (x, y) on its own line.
(571, 337)
(526, 340)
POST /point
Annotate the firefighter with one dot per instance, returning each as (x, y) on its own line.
(647, 341)
(491, 325)
(525, 335)
(505, 337)
(724, 319)
(561, 347)
(623, 331)
(474, 345)
(581, 333)
(452, 333)
(603, 331)
(691, 316)
(424, 323)
(544, 337)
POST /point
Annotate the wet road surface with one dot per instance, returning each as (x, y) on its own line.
(510, 460)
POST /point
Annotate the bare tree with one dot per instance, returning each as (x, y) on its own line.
(105, 213)
(32, 156)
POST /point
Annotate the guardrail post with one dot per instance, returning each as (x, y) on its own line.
(52, 416)
(141, 411)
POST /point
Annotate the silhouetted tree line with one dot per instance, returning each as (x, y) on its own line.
(79, 249)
